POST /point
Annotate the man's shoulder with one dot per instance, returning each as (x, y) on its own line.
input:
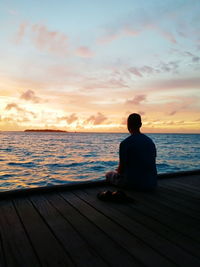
(126, 140)
(136, 138)
(144, 136)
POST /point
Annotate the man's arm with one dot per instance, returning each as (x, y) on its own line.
(120, 168)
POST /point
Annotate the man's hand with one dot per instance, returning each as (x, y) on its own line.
(119, 169)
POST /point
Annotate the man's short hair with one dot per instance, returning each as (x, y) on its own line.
(134, 121)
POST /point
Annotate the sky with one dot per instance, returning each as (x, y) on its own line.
(85, 65)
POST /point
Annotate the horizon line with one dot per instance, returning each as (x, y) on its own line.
(23, 131)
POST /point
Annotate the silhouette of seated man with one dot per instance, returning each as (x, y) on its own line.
(137, 159)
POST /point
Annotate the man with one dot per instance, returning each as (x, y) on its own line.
(137, 159)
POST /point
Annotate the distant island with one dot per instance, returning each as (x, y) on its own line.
(45, 130)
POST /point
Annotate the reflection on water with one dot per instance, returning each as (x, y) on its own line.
(41, 159)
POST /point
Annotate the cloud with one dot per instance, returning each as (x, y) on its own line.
(172, 112)
(141, 113)
(124, 121)
(181, 103)
(13, 11)
(70, 119)
(168, 36)
(52, 41)
(171, 66)
(21, 32)
(43, 38)
(84, 51)
(177, 83)
(136, 100)
(130, 31)
(109, 37)
(193, 57)
(135, 71)
(147, 69)
(114, 33)
(18, 109)
(14, 106)
(29, 95)
(96, 119)
(113, 82)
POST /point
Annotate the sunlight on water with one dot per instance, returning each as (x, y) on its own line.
(42, 159)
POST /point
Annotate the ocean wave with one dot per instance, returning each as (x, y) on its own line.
(5, 176)
(82, 163)
(29, 164)
(60, 165)
(163, 165)
(105, 162)
(6, 149)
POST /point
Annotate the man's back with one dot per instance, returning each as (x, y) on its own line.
(137, 156)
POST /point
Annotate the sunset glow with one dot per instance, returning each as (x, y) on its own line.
(85, 65)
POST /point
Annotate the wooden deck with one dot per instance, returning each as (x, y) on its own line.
(74, 228)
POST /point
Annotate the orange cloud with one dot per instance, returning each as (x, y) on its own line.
(96, 119)
(43, 38)
(70, 119)
(29, 95)
(52, 41)
(18, 109)
(181, 83)
(114, 34)
(21, 32)
(168, 36)
(84, 51)
(136, 100)
(14, 106)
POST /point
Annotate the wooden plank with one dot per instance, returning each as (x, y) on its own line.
(151, 238)
(111, 252)
(192, 187)
(81, 253)
(168, 206)
(181, 207)
(124, 238)
(179, 174)
(152, 223)
(17, 248)
(180, 192)
(2, 255)
(49, 250)
(171, 202)
(191, 179)
(186, 202)
(188, 244)
(184, 189)
(150, 205)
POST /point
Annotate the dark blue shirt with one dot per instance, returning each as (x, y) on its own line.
(138, 161)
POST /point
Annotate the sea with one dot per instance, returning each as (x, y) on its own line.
(35, 159)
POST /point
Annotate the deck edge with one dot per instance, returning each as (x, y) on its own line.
(54, 188)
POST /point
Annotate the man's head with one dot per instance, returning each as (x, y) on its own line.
(134, 122)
